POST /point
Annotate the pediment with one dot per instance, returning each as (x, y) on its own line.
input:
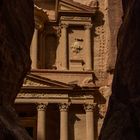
(32, 80)
(40, 16)
(67, 6)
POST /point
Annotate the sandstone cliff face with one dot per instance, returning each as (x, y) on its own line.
(115, 19)
(16, 30)
(122, 121)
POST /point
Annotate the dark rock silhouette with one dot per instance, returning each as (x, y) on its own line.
(16, 30)
(122, 121)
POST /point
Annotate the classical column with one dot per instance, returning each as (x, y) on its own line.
(87, 48)
(41, 122)
(63, 121)
(33, 50)
(89, 121)
(64, 58)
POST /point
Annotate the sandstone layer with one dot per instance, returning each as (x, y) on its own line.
(16, 30)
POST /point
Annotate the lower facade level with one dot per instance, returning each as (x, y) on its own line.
(59, 121)
(60, 105)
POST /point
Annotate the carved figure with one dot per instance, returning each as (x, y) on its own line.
(76, 46)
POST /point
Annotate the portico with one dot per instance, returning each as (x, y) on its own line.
(42, 118)
(63, 97)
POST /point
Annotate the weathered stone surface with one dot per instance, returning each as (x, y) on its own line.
(115, 13)
(16, 30)
(122, 121)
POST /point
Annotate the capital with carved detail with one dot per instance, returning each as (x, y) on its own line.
(63, 25)
(64, 107)
(42, 107)
(89, 107)
(88, 26)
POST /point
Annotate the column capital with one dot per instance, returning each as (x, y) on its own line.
(64, 107)
(41, 107)
(89, 107)
(88, 26)
(64, 25)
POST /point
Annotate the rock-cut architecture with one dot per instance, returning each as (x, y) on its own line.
(65, 95)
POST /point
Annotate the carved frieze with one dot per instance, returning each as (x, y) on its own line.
(41, 95)
(28, 82)
(31, 95)
(75, 18)
(90, 3)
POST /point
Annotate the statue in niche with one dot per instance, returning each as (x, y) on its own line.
(77, 45)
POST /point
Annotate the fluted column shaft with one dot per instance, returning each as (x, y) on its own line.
(63, 121)
(87, 49)
(34, 49)
(64, 58)
(41, 122)
(89, 121)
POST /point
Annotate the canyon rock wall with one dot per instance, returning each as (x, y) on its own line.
(115, 14)
(16, 30)
(122, 121)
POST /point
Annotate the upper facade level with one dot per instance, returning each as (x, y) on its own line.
(64, 35)
(55, 8)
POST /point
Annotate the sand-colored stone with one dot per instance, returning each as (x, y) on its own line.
(75, 60)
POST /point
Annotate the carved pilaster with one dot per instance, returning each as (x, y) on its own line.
(62, 27)
(87, 48)
(63, 48)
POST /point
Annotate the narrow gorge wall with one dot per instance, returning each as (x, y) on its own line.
(16, 30)
(122, 119)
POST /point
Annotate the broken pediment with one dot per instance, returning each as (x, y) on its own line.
(40, 17)
(71, 6)
(49, 6)
(49, 9)
(32, 80)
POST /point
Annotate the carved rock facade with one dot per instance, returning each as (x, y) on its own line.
(70, 54)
